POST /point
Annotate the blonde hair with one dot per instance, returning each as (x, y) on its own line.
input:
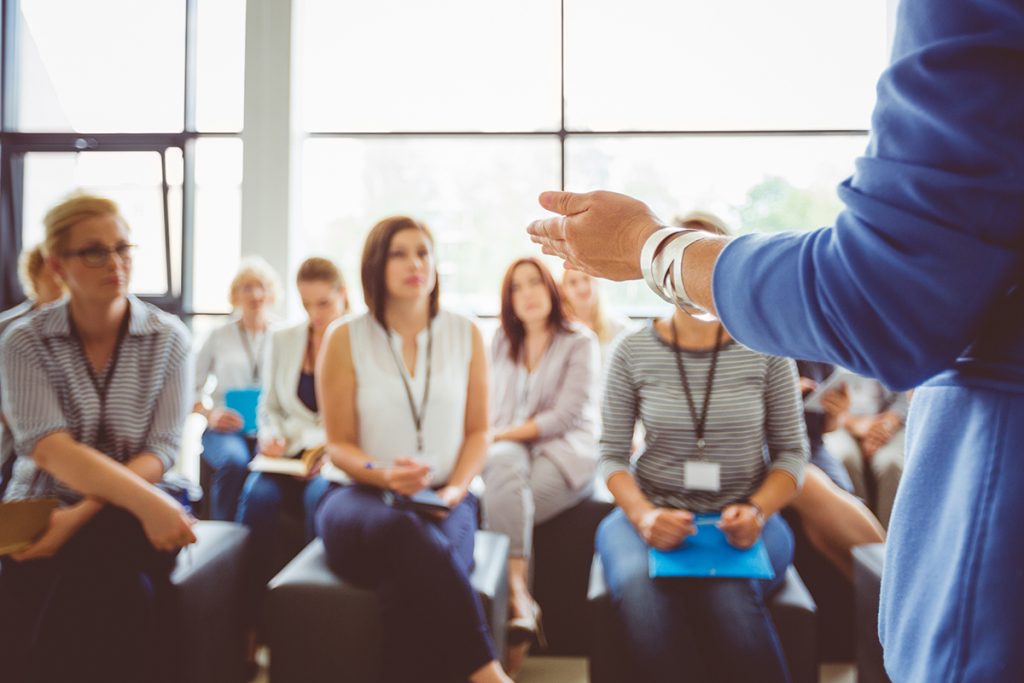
(703, 220)
(317, 269)
(254, 267)
(601, 327)
(30, 264)
(74, 209)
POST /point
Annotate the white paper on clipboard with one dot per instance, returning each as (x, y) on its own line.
(813, 404)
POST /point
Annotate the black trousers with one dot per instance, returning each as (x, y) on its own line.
(99, 610)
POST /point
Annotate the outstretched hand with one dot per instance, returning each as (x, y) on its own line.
(599, 233)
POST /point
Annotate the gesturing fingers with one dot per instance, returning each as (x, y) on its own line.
(565, 203)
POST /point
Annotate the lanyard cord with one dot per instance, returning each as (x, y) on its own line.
(417, 414)
(102, 389)
(254, 361)
(700, 423)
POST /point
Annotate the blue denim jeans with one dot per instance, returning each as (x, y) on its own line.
(228, 453)
(694, 629)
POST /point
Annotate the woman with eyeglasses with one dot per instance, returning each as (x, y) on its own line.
(234, 355)
(95, 390)
(403, 390)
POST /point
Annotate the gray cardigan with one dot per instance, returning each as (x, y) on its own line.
(562, 401)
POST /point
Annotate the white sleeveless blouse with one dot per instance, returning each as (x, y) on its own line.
(387, 429)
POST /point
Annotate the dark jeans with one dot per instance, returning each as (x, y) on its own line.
(420, 568)
(694, 629)
(228, 453)
(100, 610)
(263, 498)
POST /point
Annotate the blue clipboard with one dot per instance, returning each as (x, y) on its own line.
(707, 554)
(244, 402)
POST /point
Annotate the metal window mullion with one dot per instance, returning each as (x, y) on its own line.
(191, 52)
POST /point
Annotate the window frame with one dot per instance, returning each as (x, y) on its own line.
(564, 133)
(14, 144)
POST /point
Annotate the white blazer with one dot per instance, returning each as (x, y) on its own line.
(281, 414)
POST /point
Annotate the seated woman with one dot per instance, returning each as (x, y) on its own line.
(96, 390)
(711, 410)
(584, 304)
(234, 354)
(41, 286)
(40, 283)
(403, 391)
(831, 518)
(543, 426)
(289, 418)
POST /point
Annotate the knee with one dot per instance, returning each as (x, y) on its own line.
(507, 462)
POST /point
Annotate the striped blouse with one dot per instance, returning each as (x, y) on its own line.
(755, 420)
(47, 388)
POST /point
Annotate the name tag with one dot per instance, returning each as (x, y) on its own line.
(702, 476)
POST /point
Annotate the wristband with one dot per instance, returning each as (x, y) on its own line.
(663, 269)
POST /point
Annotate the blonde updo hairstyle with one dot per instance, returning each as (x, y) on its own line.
(255, 268)
(75, 209)
(30, 264)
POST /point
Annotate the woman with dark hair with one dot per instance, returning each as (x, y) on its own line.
(543, 425)
(403, 391)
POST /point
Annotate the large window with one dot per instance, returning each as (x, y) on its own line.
(138, 101)
(460, 112)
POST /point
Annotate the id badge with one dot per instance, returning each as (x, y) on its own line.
(702, 476)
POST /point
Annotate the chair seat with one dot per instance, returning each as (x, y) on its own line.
(208, 580)
(321, 628)
(791, 607)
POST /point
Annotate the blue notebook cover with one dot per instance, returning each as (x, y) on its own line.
(708, 554)
(244, 402)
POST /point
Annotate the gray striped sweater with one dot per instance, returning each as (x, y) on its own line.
(755, 420)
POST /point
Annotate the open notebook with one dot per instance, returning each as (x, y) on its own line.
(298, 466)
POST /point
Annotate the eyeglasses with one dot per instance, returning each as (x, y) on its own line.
(97, 256)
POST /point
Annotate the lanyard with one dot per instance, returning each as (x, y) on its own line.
(254, 360)
(417, 414)
(699, 423)
(102, 389)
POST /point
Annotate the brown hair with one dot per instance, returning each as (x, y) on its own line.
(30, 264)
(375, 259)
(511, 325)
(317, 269)
(74, 209)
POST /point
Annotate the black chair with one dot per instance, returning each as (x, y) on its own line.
(320, 628)
(832, 593)
(792, 610)
(868, 562)
(208, 581)
(563, 549)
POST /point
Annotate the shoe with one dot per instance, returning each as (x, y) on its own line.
(527, 629)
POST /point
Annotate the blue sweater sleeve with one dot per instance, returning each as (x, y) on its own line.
(932, 235)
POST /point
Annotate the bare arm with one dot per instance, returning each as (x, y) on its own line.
(336, 390)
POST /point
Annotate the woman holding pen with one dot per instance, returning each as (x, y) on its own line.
(403, 390)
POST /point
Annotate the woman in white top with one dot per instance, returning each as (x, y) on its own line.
(289, 419)
(234, 354)
(403, 390)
